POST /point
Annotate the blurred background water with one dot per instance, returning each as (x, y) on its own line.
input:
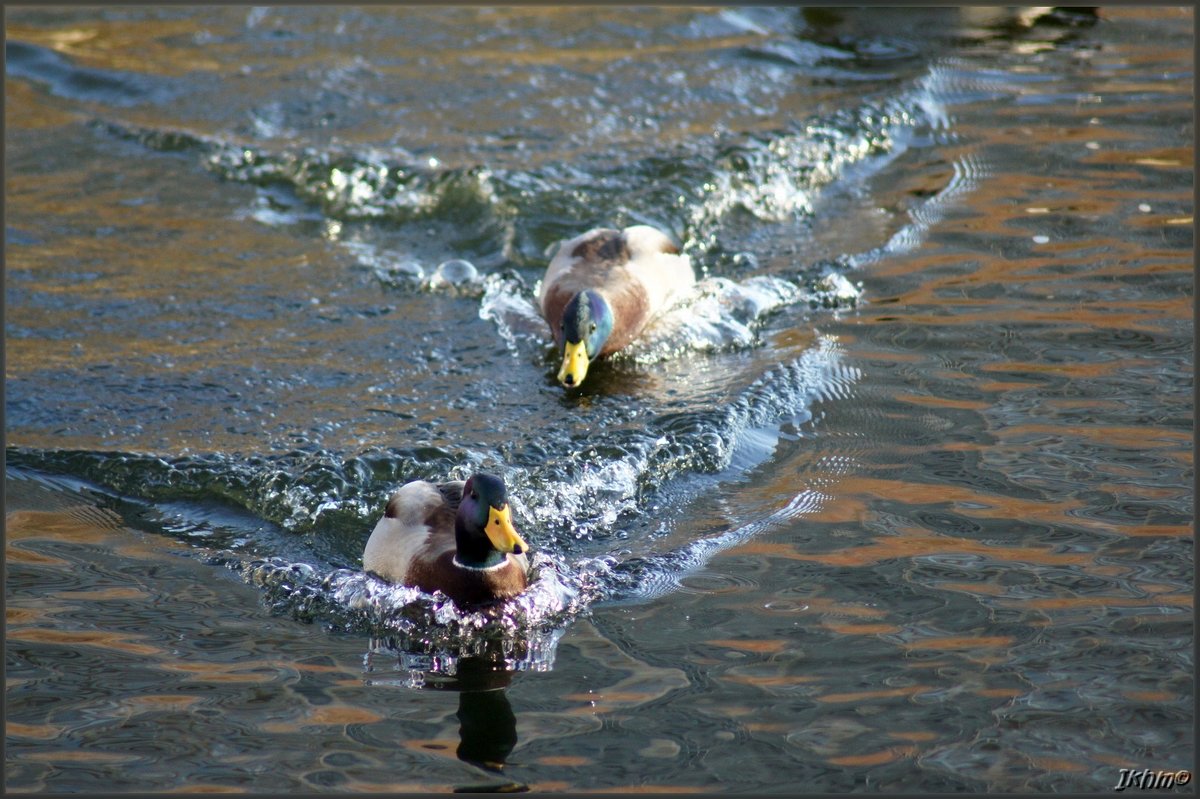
(901, 499)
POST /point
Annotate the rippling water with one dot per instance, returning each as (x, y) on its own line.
(900, 498)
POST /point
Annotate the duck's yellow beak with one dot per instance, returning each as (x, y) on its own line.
(574, 365)
(502, 534)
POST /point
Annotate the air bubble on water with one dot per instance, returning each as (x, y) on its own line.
(745, 260)
(453, 274)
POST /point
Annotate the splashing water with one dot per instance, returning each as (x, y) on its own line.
(583, 502)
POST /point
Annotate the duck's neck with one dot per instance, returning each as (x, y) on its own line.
(474, 549)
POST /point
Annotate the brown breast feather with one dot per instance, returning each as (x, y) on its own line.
(467, 586)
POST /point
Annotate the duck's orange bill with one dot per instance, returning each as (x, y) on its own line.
(502, 534)
(574, 365)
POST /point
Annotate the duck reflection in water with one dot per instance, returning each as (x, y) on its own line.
(487, 725)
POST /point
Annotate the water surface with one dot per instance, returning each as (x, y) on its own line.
(899, 500)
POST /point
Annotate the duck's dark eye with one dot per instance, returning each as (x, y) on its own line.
(474, 495)
(593, 328)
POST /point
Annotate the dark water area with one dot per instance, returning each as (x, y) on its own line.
(900, 499)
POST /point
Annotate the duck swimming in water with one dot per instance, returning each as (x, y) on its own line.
(456, 537)
(603, 287)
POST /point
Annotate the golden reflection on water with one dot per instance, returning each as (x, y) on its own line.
(23, 109)
(34, 622)
(325, 715)
(120, 643)
(136, 46)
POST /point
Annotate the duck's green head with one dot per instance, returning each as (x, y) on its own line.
(586, 324)
(483, 526)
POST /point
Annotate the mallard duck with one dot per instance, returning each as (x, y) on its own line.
(603, 287)
(456, 537)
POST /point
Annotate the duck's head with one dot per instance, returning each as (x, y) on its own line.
(483, 527)
(586, 324)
